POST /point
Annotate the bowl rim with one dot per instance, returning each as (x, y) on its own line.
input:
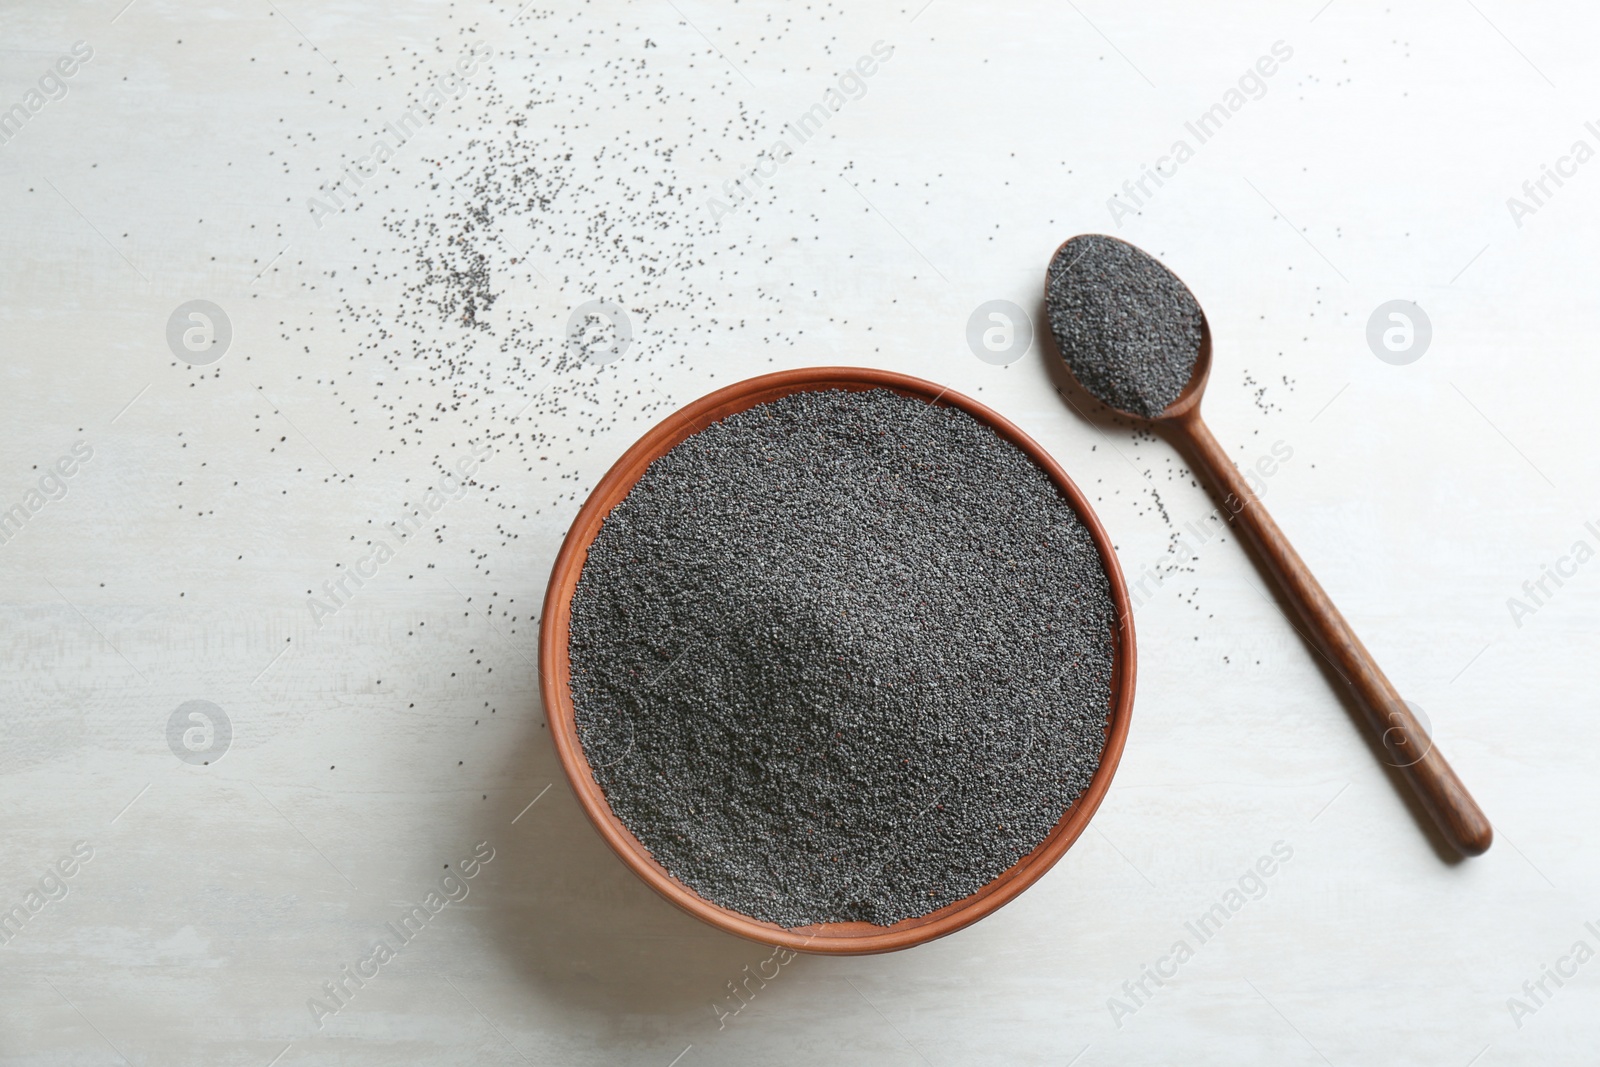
(845, 938)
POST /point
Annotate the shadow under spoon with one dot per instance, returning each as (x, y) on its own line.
(1133, 337)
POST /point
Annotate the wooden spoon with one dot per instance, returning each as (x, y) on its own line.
(1387, 716)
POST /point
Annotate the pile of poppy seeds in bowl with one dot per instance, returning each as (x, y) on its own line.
(842, 656)
(1128, 328)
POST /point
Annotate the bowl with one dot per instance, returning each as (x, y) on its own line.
(838, 938)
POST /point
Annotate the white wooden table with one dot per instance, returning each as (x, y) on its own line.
(180, 894)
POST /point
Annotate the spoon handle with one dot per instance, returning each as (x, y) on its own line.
(1388, 718)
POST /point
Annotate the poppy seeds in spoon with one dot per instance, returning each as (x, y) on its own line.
(842, 656)
(1127, 327)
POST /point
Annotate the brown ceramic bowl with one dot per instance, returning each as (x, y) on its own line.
(831, 938)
